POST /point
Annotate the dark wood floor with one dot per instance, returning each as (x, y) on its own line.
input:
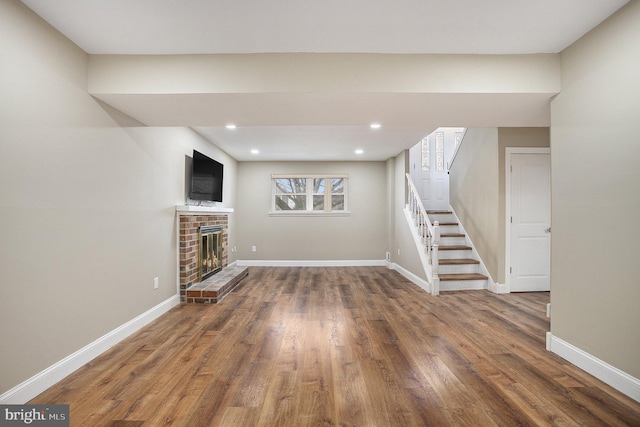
(353, 346)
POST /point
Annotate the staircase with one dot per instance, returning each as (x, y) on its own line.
(458, 268)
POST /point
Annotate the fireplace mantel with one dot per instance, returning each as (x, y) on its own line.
(187, 209)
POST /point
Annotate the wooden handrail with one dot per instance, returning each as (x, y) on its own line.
(429, 233)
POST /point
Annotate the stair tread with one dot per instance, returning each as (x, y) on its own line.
(458, 261)
(448, 223)
(439, 212)
(463, 276)
(452, 235)
(454, 248)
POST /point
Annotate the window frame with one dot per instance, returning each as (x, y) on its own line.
(310, 193)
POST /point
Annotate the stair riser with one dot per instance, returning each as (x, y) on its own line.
(462, 285)
(440, 217)
(453, 241)
(448, 229)
(459, 268)
(454, 254)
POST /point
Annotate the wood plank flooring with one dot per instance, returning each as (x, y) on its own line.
(348, 346)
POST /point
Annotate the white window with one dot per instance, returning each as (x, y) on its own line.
(457, 138)
(314, 194)
(426, 154)
(439, 151)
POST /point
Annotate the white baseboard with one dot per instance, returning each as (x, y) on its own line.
(35, 385)
(409, 275)
(611, 375)
(498, 288)
(312, 263)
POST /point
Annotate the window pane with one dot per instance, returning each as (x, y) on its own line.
(337, 185)
(426, 155)
(318, 202)
(291, 185)
(285, 202)
(318, 186)
(457, 138)
(439, 151)
(337, 202)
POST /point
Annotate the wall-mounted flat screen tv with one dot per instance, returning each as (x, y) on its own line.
(206, 178)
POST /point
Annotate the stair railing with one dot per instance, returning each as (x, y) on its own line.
(429, 233)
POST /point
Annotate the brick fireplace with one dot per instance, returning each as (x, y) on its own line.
(190, 226)
(205, 275)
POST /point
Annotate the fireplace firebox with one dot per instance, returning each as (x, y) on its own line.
(210, 251)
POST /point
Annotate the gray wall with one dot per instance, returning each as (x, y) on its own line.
(362, 235)
(477, 181)
(595, 153)
(473, 183)
(87, 206)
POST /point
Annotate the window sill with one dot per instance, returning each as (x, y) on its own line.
(309, 213)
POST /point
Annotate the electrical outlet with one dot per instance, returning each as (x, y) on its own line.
(155, 283)
(388, 256)
(398, 251)
(254, 249)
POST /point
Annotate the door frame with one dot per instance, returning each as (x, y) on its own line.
(509, 152)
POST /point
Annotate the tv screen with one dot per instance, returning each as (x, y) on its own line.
(206, 178)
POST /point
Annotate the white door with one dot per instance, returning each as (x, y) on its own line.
(530, 236)
(420, 170)
(429, 167)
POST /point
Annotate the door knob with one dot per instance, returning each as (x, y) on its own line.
(548, 230)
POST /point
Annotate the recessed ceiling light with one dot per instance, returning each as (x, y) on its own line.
(359, 151)
(231, 126)
(254, 151)
(375, 125)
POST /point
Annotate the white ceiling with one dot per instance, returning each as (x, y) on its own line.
(371, 26)
(328, 26)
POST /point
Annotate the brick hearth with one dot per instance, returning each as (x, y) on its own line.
(216, 287)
